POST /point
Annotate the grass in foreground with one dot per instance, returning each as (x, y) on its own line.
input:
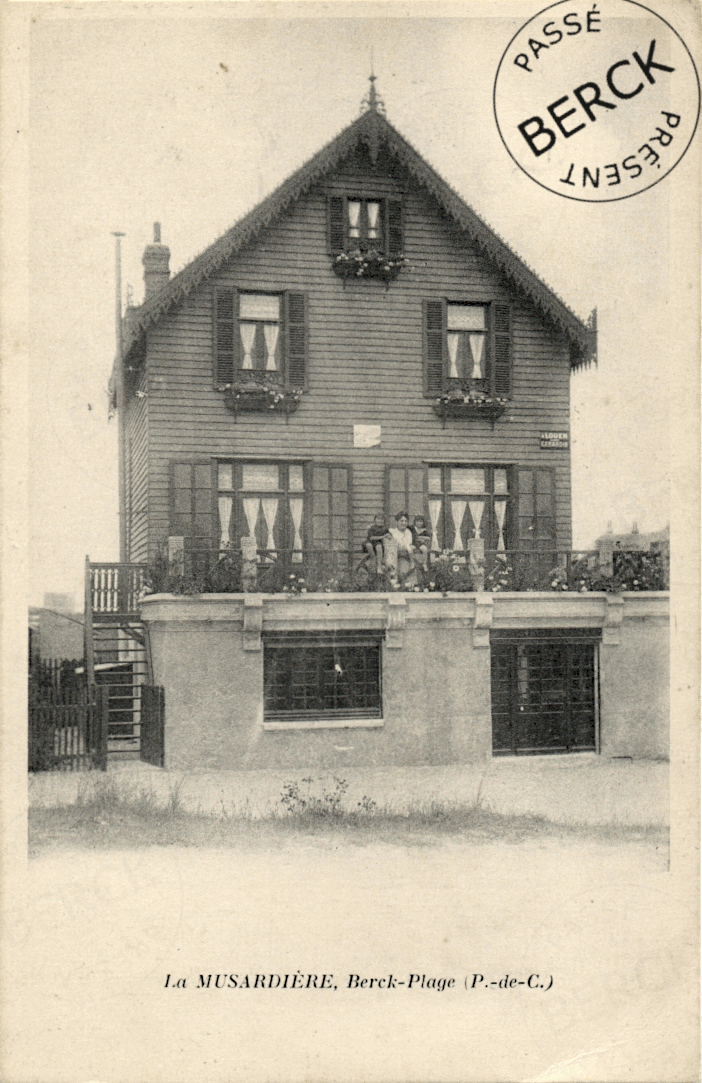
(110, 815)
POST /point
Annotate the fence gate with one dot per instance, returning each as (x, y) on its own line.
(67, 730)
(544, 690)
(152, 724)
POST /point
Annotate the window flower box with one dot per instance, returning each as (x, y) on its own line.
(368, 264)
(458, 403)
(263, 395)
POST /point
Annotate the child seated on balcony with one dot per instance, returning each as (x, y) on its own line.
(421, 540)
(373, 545)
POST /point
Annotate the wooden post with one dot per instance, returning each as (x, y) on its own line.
(89, 645)
(103, 711)
(119, 388)
(176, 555)
(605, 553)
(476, 551)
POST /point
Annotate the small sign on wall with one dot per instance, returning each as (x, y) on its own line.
(366, 436)
(555, 440)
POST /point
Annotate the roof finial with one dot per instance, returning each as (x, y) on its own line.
(372, 102)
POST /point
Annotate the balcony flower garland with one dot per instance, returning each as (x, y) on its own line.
(369, 264)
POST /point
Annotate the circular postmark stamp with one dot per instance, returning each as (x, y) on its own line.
(597, 101)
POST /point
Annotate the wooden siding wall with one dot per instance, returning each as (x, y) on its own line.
(136, 436)
(364, 365)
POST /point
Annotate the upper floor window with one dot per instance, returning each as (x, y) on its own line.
(357, 222)
(260, 335)
(364, 223)
(466, 334)
(467, 346)
(259, 331)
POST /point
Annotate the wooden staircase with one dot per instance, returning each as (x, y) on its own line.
(116, 649)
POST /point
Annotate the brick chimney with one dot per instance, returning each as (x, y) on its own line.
(155, 260)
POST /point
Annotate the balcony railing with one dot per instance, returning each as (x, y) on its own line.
(207, 571)
(115, 589)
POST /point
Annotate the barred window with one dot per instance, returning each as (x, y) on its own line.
(321, 676)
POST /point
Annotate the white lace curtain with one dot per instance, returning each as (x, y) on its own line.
(477, 507)
(296, 515)
(248, 334)
(354, 217)
(225, 504)
(477, 348)
(270, 332)
(434, 515)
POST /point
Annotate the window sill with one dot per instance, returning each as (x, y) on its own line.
(327, 724)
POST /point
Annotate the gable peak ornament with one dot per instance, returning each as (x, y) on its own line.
(372, 102)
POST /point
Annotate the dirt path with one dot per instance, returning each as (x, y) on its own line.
(99, 932)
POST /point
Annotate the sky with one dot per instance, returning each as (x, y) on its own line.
(189, 114)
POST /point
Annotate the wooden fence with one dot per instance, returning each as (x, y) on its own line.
(67, 720)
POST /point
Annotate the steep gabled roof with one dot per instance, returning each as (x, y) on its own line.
(374, 131)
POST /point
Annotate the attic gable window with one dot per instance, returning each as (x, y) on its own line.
(259, 338)
(467, 352)
(363, 223)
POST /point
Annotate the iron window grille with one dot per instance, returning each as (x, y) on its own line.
(321, 676)
(544, 691)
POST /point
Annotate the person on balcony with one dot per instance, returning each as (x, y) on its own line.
(421, 540)
(375, 538)
(400, 559)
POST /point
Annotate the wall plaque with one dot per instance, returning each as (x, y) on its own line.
(554, 440)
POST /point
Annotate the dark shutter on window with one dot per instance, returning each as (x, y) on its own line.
(192, 517)
(501, 353)
(337, 223)
(405, 490)
(394, 232)
(536, 508)
(226, 308)
(331, 506)
(296, 339)
(434, 336)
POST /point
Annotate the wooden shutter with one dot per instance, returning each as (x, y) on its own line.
(501, 350)
(394, 227)
(336, 208)
(405, 490)
(225, 334)
(536, 511)
(434, 339)
(296, 339)
(192, 511)
(331, 506)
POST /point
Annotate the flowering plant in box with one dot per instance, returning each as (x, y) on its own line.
(369, 264)
(471, 396)
(247, 395)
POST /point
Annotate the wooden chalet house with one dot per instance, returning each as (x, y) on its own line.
(359, 343)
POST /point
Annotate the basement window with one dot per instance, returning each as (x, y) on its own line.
(321, 680)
